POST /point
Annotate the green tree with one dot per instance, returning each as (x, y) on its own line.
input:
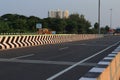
(4, 28)
(19, 23)
(107, 28)
(96, 26)
(71, 27)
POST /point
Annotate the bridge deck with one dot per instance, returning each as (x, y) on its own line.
(65, 61)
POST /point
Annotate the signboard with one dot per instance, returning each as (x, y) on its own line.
(53, 32)
(38, 25)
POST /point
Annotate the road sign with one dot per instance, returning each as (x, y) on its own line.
(38, 25)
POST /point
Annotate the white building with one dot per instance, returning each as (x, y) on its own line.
(65, 14)
(58, 14)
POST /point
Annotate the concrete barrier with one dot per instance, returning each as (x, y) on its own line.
(112, 72)
(18, 41)
(107, 69)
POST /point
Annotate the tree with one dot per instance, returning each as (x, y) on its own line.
(74, 17)
(31, 22)
(71, 27)
(96, 26)
(4, 27)
(107, 28)
(19, 23)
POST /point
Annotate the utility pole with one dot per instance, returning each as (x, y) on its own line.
(99, 16)
(110, 18)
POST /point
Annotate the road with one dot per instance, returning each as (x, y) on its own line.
(65, 61)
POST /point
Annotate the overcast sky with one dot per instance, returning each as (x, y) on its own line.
(89, 8)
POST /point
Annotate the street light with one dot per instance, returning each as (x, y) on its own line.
(99, 16)
(110, 18)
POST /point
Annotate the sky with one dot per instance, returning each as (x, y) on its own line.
(89, 8)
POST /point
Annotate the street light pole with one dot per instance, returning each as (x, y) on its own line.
(99, 16)
(110, 18)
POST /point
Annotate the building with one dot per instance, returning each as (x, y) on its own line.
(65, 14)
(58, 14)
(51, 14)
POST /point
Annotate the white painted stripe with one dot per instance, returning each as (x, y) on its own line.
(34, 40)
(109, 58)
(30, 40)
(23, 56)
(104, 63)
(37, 40)
(10, 40)
(97, 69)
(114, 52)
(69, 68)
(85, 78)
(112, 55)
(15, 42)
(4, 42)
(117, 50)
(45, 62)
(24, 41)
(27, 40)
(3, 47)
(63, 48)
(118, 47)
(19, 38)
(85, 44)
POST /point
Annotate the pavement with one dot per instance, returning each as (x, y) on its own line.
(65, 61)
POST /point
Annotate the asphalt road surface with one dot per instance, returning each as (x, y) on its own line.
(65, 61)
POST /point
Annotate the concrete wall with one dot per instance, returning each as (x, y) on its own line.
(18, 41)
(107, 69)
(112, 72)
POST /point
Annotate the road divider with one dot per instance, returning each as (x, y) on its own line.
(19, 41)
(107, 69)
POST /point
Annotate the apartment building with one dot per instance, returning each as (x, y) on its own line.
(58, 14)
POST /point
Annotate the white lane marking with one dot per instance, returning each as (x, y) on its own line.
(45, 62)
(86, 44)
(23, 56)
(63, 48)
(76, 64)
(84, 78)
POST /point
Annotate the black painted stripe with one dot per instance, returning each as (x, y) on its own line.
(3, 43)
(32, 40)
(40, 40)
(25, 40)
(92, 74)
(29, 40)
(37, 38)
(18, 41)
(13, 42)
(8, 42)
(21, 40)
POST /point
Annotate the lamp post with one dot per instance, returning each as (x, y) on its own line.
(110, 18)
(99, 16)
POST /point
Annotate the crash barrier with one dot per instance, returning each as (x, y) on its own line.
(18, 41)
(107, 69)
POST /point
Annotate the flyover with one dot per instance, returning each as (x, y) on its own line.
(64, 61)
